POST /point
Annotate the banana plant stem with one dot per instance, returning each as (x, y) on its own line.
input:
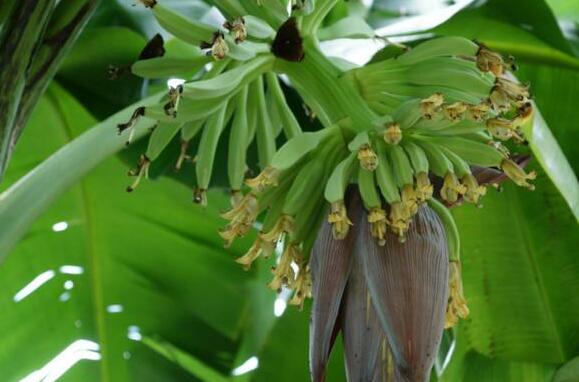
(39, 66)
(18, 41)
(319, 83)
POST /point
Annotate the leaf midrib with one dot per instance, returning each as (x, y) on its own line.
(96, 275)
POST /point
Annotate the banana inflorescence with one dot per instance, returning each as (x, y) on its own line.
(436, 111)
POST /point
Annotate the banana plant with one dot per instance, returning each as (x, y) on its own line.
(357, 211)
(435, 111)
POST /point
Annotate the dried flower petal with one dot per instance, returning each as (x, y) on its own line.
(368, 158)
(456, 307)
(429, 106)
(517, 174)
(451, 188)
(268, 177)
(377, 220)
(338, 218)
(393, 134)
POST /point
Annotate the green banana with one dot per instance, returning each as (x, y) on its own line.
(208, 146)
(379, 92)
(160, 138)
(367, 187)
(438, 163)
(252, 111)
(401, 166)
(297, 148)
(217, 67)
(385, 177)
(272, 109)
(188, 110)
(228, 82)
(408, 113)
(190, 129)
(290, 125)
(339, 179)
(245, 51)
(482, 136)
(439, 47)
(471, 151)
(442, 74)
(305, 184)
(190, 31)
(165, 67)
(417, 157)
(461, 167)
(264, 133)
(463, 127)
(307, 216)
(258, 28)
(236, 165)
(230, 8)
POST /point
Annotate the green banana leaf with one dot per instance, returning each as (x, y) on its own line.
(520, 275)
(469, 365)
(102, 268)
(560, 112)
(84, 70)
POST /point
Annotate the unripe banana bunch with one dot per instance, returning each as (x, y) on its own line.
(291, 194)
(459, 69)
(239, 91)
(420, 120)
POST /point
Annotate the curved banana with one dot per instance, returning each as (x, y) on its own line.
(207, 149)
(226, 83)
(297, 148)
(264, 133)
(385, 177)
(334, 193)
(165, 67)
(403, 173)
(190, 129)
(339, 179)
(160, 138)
(461, 167)
(439, 164)
(305, 184)
(190, 31)
(258, 28)
(290, 125)
(463, 127)
(408, 113)
(417, 157)
(236, 165)
(443, 73)
(367, 187)
(371, 199)
(471, 151)
(439, 47)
